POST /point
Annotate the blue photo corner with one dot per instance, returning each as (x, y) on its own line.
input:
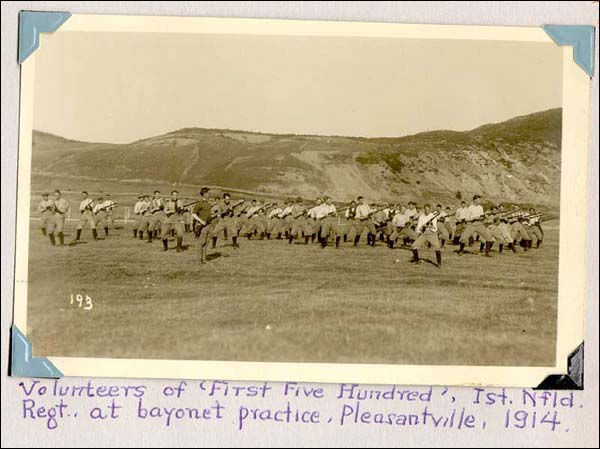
(22, 362)
(581, 38)
(31, 24)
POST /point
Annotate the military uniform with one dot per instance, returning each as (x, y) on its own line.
(173, 220)
(275, 222)
(138, 209)
(203, 211)
(301, 225)
(401, 229)
(86, 208)
(157, 216)
(427, 230)
(57, 223)
(254, 223)
(45, 209)
(99, 211)
(518, 231)
(327, 215)
(227, 221)
(474, 225)
(363, 222)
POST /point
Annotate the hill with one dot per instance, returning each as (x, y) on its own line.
(516, 160)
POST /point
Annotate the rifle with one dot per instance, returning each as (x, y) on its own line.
(264, 206)
(429, 220)
(231, 208)
(110, 206)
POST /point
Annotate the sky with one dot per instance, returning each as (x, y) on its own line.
(121, 87)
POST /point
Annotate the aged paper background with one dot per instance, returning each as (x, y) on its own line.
(519, 13)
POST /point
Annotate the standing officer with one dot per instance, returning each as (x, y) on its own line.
(45, 209)
(110, 206)
(139, 207)
(202, 213)
(86, 208)
(174, 220)
(157, 215)
(56, 224)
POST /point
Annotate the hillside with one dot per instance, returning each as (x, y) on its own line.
(516, 160)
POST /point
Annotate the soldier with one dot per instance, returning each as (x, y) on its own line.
(45, 209)
(518, 232)
(155, 216)
(187, 215)
(139, 207)
(174, 220)
(450, 221)
(202, 213)
(428, 232)
(275, 222)
(109, 209)
(401, 229)
(146, 220)
(329, 223)
(99, 211)
(60, 209)
(496, 231)
(534, 228)
(443, 232)
(312, 217)
(287, 219)
(348, 224)
(474, 224)
(411, 210)
(364, 222)
(301, 225)
(227, 221)
(253, 223)
(380, 219)
(460, 215)
(86, 208)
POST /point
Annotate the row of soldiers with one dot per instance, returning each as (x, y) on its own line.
(158, 218)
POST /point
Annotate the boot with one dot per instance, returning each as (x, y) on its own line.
(172, 232)
(134, 233)
(179, 244)
(529, 243)
(337, 241)
(481, 246)
(51, 237)
(165, 244)
(306, 239)
(461, 251)
(214, 241)
(390, 244)
(150, 236)
(345, 238)
(141, 235)
(524, 245)
(61, 239)
(44, 232)
(500, 247)
(106, 230)
(415, 258)
(290, 239)
(268, 236)
(261, 236)
(539, 243)
(78, 234)
(471, 241)
(443, 243)
(356, 240)
(95, 234)
(235, 243)
(287, 235)
(323, 242)
(438, 258)
(488, 247)
(511, 246)
(373, 237)
(279, 236)
(312, 238)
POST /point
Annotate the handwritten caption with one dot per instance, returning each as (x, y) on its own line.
(52, 403)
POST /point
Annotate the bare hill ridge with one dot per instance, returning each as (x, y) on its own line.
(517, 160)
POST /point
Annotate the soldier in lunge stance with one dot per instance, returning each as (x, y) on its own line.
(45, 209)
(86, 208)
(226, 221)
(474, 225)
(60, 208)
(156, 216)
(275, 222)
(174, 220)
(427, 229)
(100, 214)
(364, 222)
(329, 223)
(534, 228)
(301, 225)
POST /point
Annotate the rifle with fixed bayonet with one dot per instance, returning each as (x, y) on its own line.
(229, 210)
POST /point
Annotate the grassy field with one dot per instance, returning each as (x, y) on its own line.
(270, 301)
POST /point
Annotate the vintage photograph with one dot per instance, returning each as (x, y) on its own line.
(301, 199)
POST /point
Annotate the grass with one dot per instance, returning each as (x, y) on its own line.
(270, 301)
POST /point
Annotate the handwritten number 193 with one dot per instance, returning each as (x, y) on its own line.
(83, 302)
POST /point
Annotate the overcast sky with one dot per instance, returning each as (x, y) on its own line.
(120, 87)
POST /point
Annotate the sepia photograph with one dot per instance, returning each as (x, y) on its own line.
(322, 198)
